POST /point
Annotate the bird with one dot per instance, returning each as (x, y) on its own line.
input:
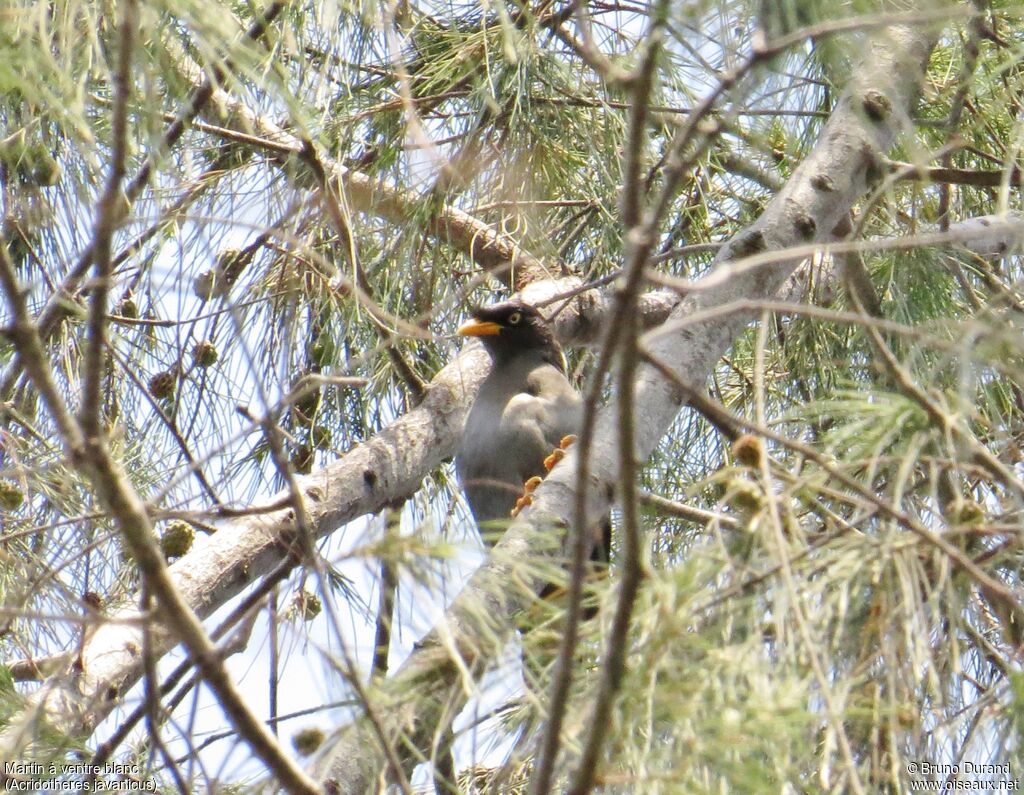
(524, 416)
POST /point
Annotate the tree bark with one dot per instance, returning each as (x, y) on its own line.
(369, 477)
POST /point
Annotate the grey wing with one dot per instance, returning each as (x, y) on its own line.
(563, 406)
(505, 444)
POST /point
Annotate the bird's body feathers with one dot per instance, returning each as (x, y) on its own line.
(517, 419)
(525, 408)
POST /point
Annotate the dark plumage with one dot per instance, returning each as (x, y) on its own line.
(525, 407)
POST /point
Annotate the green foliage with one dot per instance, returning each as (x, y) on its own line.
(805, 630)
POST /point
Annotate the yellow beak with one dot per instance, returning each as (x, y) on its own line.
(478, 328)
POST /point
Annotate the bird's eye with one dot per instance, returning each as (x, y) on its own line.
(514, 318)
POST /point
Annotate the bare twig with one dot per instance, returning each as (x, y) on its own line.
(108, 217)
(386, 601)
(581, 541)
(245, 608)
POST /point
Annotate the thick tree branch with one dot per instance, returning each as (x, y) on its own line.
(90, 454)
(366, 479)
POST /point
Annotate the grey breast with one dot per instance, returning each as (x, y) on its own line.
(520, 415)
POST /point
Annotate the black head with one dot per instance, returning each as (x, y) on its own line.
(512, 328)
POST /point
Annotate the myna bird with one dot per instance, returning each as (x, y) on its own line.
(525, 410)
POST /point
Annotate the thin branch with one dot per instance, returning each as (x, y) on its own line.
(581, 541)
(54, 311)
(835, 716)
(943, 419)
(151, 700)
(684, 511)
(304, 538)
(386, 601)
(109, 214)
(245, 608)
(996, 590)
(821, 190)
(28, 346)
(975, 178)
(985, 235)
(328, 193)
(585, 47)
(631, 569)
